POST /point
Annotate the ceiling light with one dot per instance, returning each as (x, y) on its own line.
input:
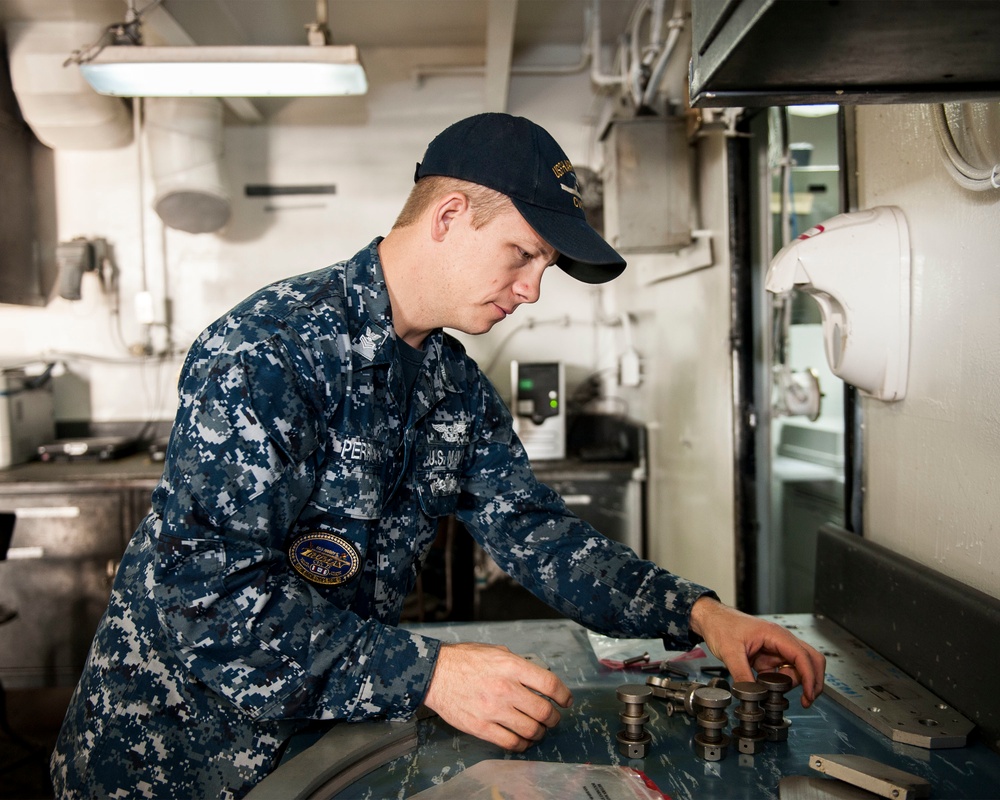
(814, 111)
(241, 71)
(119, 64)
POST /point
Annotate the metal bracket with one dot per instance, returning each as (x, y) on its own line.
(873, 776)
(882, 695)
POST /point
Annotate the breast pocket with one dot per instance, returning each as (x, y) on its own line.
(439, 468)
(351, 485)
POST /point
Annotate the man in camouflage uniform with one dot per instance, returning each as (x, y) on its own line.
(325, 425)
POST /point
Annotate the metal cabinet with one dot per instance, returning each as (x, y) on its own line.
(69, 536)
(611, 497)
(787, 52)
(57, 577)
(611, 501)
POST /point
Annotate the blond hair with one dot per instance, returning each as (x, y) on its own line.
(486, 204)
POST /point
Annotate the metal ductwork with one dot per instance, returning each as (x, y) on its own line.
(58, 105)
(184, 135)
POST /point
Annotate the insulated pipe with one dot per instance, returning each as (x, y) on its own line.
(659, 68)
(596, 76)
(185, 148)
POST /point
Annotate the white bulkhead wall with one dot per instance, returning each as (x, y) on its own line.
(932, 459)
(368, 147)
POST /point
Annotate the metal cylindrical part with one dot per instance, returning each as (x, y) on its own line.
(633, 740)
(748, 734)
(774, 725)
(710, 702)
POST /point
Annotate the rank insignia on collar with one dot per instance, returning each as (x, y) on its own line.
(368, 342)
(324, 558)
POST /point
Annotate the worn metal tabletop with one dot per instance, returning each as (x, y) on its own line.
(587, 734)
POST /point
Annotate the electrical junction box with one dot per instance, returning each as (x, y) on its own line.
(647, 185)
(27, 417)
(539, 409)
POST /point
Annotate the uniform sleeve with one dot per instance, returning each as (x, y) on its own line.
(528, 530)
(241, 465)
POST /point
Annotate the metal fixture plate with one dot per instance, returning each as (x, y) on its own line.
(869, 686)
(800, 787)
(873, 776)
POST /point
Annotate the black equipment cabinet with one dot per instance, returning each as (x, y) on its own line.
(782, 52)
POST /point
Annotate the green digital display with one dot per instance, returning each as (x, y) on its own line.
(526, 384)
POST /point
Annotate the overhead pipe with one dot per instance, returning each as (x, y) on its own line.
(629, 75)
(598, 77)
(675, 25)
(586, 58)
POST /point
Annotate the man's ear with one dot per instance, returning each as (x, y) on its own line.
(446, 210)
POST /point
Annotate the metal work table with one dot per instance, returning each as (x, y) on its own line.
(132, 471)
(587, 734)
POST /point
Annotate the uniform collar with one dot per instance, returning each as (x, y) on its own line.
(372, 340)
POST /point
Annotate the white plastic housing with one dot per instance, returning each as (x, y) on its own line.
(857, 267)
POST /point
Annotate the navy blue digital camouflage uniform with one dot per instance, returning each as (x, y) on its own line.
(225, 635)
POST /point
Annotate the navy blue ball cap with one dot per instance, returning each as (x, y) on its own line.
(516, 157)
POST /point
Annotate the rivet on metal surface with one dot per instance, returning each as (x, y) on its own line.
(775, 726)
(633, 739)
(710, 702)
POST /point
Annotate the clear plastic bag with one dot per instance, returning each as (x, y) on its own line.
(543, 780)
(612, 652)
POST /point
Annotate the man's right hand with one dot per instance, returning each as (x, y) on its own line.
(493, 694)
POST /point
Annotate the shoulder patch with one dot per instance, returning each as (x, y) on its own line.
(324, 558)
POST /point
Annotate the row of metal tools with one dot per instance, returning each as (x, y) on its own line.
(760, 713)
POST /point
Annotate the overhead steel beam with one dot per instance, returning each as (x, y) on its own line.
(502, 15)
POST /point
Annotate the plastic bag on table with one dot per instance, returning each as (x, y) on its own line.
(612, 652)
(542, 780)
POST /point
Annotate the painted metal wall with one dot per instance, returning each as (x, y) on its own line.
(685, 332)
(932, 460)
(366, 147)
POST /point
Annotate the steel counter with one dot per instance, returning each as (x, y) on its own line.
(587, 734)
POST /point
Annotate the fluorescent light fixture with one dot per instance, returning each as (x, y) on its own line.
(243, 71)
(821, 110)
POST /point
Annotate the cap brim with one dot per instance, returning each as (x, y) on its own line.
(583, 253)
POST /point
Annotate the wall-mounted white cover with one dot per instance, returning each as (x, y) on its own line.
(857, 267)
(56, 102)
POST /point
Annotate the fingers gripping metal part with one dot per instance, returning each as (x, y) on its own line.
(710, 743)
(633, 739)
(775, 725)
(748, 734)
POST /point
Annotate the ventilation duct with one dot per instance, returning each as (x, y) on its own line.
(184, 135)
(55, 101)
